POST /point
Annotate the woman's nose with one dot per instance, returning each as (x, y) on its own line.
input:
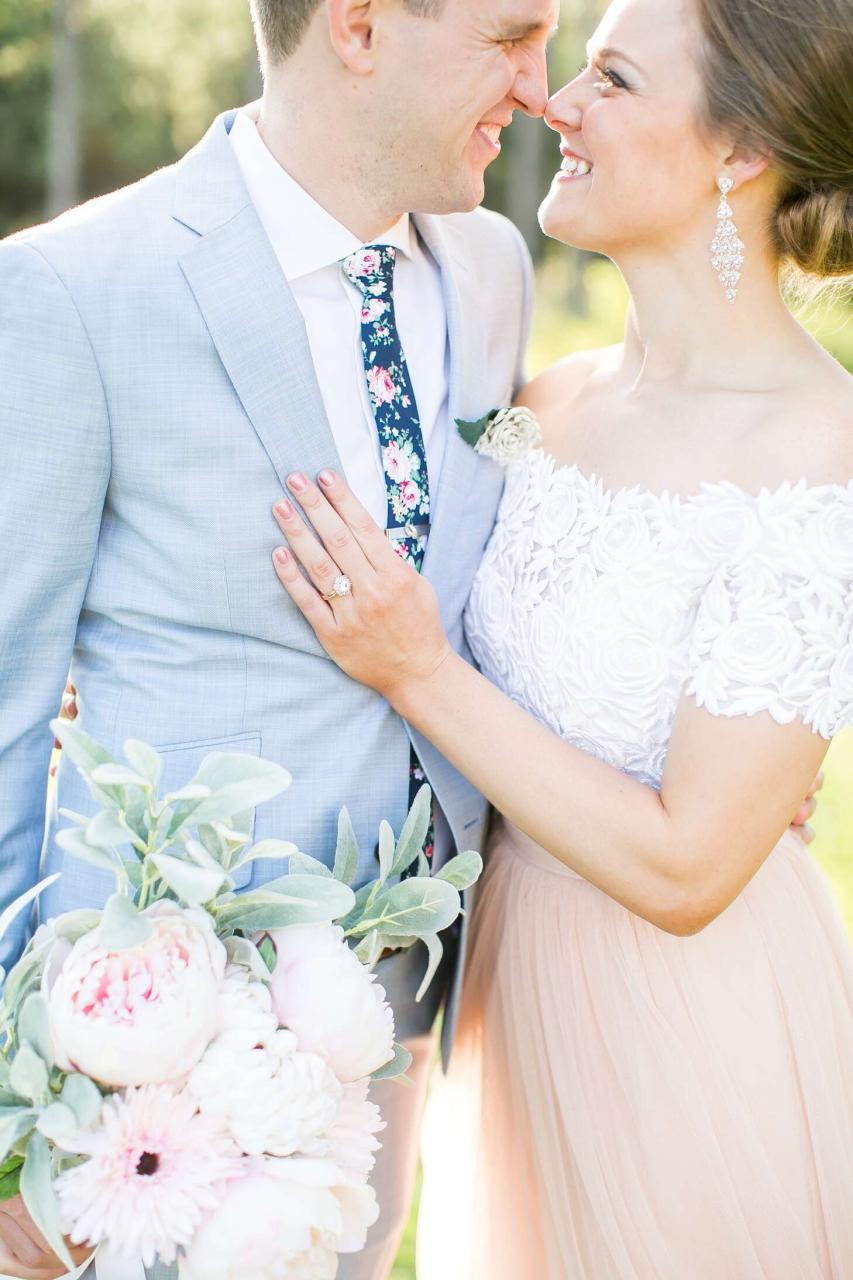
(564, 109)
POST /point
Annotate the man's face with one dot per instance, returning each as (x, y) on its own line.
(447, 86)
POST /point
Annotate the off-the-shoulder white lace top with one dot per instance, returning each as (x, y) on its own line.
(597, 610)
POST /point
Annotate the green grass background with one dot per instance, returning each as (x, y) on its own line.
(557, 332)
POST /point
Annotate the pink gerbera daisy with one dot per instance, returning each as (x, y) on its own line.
(155, 1168)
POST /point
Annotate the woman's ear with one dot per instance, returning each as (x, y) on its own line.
(351, 24)
(744, 164)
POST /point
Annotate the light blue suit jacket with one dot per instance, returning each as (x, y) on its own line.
(156, 388)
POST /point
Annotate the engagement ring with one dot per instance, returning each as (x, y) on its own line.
(340, 587)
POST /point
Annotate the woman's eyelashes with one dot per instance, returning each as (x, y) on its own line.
(607, 77)
(610, 79)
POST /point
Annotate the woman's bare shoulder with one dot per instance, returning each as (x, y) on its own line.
(558, 385)
(554, 394)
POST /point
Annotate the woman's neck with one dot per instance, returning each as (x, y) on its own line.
(682, 330)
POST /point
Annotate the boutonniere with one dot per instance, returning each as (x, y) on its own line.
(507, 435)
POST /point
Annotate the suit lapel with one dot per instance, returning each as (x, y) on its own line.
(250, 311)
(464, 473)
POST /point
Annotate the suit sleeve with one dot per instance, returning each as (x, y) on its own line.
(54, 469)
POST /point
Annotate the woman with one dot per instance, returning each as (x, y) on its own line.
(656, 1046)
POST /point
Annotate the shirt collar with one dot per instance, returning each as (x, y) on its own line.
(304, 235)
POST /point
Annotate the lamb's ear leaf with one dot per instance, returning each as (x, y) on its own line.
(396, 1066)
(386, 851)
(82, 750)
(144, 760)
(122, 926)
(462, 871)
(15, 908)
(34, 1026)
(84, 1098)
(414, 832)
(416, 906)
(15, 1124)
(40, 1198)
(436, 951)
(347, 853)
(302, 864)
(57, 1122)
(193, 885)
(29, 1075)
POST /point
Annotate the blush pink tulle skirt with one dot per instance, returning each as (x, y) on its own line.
(627, 1105)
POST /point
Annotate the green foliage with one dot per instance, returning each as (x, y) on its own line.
(10, 1177)
(151, 83)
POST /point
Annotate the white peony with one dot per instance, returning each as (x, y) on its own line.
(352, 1141)
(510, 436)
(245, 1013)
(335, 1007)
(146, 1014)
(284, 1220)
(271, 1098)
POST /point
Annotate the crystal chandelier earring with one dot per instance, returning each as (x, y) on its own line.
(727, 247)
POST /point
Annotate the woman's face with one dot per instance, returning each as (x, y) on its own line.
(631, 120)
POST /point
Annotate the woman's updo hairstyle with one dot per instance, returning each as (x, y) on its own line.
(779, 74)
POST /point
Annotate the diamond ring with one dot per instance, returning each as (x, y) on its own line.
(340, 587)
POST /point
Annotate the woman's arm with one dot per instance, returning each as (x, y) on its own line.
(678, 858)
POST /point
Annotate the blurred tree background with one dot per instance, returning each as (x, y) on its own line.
(96, 93)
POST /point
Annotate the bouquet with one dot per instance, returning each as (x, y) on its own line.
(184, 1075)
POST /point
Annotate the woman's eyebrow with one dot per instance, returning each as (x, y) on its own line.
(612, 53)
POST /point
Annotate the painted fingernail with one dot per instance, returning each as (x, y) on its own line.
(284, 509)
(327, 478)
(282, 555)
(297, 482)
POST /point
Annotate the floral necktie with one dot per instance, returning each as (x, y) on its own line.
(398, 424)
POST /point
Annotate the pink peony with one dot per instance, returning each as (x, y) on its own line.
(410, 494)
(155, 1169)
(332, 1004)
(381, 385)
(146, 1014)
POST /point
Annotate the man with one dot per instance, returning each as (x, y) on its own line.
(169, 356)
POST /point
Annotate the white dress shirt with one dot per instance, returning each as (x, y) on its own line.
(309, 244)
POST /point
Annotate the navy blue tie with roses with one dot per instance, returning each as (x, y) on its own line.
(398, 425)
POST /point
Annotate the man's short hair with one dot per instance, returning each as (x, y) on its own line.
(281, 24)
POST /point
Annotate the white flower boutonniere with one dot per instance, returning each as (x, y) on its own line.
(506, 435)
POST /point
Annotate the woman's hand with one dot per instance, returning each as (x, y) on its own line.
(387, 632)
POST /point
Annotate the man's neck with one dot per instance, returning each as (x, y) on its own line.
(329, 172)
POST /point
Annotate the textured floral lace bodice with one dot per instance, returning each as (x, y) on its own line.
(597, 610)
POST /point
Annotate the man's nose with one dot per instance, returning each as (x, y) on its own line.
(530, 90)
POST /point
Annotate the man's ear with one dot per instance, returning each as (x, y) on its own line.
(351, 25)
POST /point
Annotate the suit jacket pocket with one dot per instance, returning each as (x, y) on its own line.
(181, 761)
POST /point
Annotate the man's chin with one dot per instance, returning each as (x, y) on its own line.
(461, 197)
